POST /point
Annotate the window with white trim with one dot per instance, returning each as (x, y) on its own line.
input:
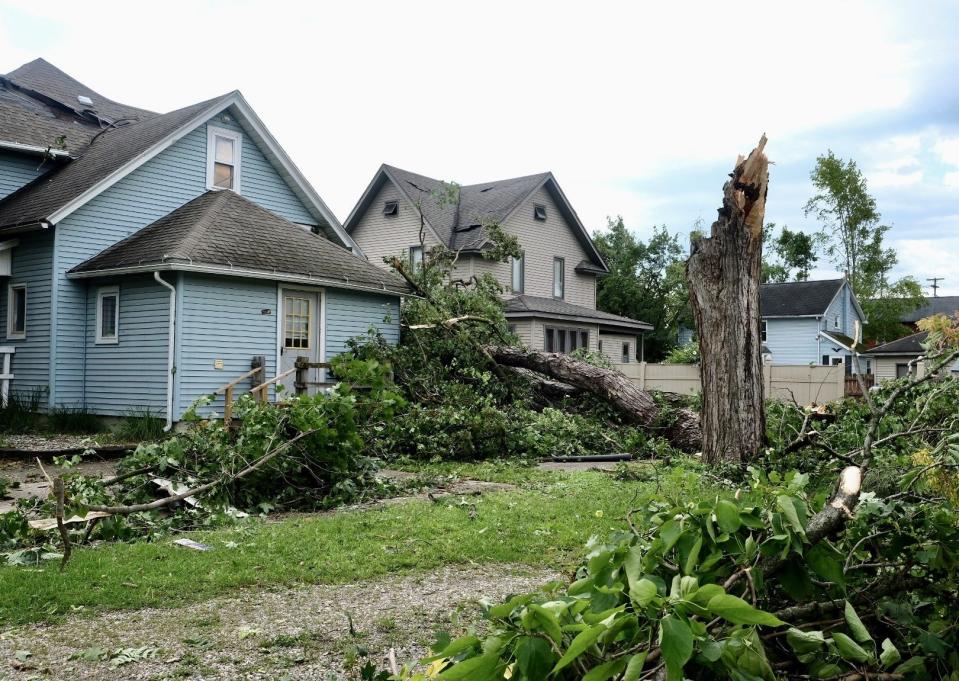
(559, 278)
(626, 353)
(762, 330)
(223, 159)
(108, 315)
(416, 258)
(519, 273)
(17, 311)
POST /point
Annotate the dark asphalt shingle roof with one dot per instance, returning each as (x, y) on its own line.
(44, 78)
(460, 221)
(225, 229)
(108, 152)
(910, 345)
(947, 305)
(29, 121)
(533, 306)
(797, 298)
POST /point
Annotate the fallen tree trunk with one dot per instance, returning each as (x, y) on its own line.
(636, 405)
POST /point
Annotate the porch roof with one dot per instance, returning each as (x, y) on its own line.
(224, 233)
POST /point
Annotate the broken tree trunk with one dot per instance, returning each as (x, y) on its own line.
(637, 405)
(723, 274)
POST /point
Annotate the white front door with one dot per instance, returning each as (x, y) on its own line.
(300, 335)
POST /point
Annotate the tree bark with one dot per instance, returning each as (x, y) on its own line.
(723, 273)
(638, 406)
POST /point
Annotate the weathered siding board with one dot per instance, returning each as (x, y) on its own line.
(613, 346)
(131, 374)
(350, 314)
(542, 241)
(32, 265)
(18, 169)
(260, 182)
(793, 341)
(523, 329)
(380, 236)
(160, 186)
(221, 318)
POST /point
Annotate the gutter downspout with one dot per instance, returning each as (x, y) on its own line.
(171, 340)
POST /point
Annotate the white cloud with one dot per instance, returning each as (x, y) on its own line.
(892, 178)
(923, 258)
(947, 149)
(951, 179)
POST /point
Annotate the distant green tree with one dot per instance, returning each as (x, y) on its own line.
(788, 256)
(852, 236)
(645, 282)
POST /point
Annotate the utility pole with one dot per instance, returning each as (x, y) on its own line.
(935, 285)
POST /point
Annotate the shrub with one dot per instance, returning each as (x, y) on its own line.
(20, 415)
(684, 354)
(74, 420)
(141, 425)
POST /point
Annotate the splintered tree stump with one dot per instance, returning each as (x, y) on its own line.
(723, 272)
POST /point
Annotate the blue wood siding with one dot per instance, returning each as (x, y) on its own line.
(351, 313)
(131, 374)
(18, 169)
(260, 182)
(158, 187)
(793, 341)
(32, 265)
(221, 318)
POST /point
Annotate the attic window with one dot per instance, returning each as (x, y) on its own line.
(223, 159)
(539, 212)
(390, 208)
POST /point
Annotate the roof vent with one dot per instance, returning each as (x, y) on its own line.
(86, 101)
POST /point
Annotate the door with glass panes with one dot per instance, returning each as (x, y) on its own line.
(300, 332)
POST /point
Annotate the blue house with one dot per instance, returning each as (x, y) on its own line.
(809, 322)
(147, 258)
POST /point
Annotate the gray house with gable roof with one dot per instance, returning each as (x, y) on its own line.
(550, 299)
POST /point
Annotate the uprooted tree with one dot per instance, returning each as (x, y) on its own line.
(723, 272)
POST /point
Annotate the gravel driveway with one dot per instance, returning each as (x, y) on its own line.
(301, 633)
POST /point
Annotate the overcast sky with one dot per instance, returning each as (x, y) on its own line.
(639, 109)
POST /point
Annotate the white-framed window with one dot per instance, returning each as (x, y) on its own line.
(519, 273)
(223, 158)
(762, 330)
(835, 322)
(626, 353)
(559, 278)
(17, 311)
(416, 258)
(108, 315)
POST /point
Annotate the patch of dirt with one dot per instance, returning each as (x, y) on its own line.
(48, 443)
(34, 484)
(301, 633)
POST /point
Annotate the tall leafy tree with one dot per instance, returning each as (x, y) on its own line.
(788, 256)
(645, 282)
(853, 237)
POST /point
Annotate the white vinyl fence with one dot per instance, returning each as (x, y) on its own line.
(804, 383)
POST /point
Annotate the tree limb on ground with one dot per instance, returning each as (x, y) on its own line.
(638, 406)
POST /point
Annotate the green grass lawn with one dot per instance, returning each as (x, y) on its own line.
(543, 523)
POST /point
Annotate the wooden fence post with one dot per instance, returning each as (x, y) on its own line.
(259, 362)
(642, 375)
(767, 379)
(302, 365)
(228, 406)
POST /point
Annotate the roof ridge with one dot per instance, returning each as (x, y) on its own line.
(543, 174)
